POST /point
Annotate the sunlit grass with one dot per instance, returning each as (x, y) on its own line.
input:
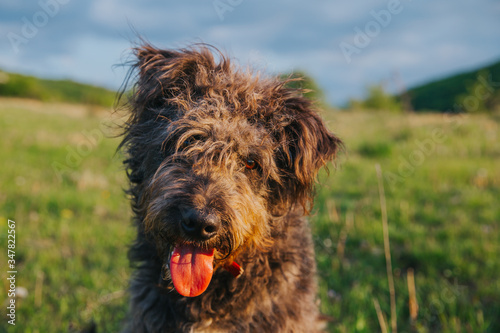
(73, 220)
(72, 228)
(443, 217)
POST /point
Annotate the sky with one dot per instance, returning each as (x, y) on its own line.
(344, 45)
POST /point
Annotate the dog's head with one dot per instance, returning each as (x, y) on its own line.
(215, 156)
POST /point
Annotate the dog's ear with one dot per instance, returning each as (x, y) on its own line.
(173, 77)
(152, 65)
(306, 145)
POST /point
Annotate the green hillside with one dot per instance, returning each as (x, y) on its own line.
(17, 85)
(480, 86)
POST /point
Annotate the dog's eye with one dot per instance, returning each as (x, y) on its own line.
(188, 142)
(250, 164)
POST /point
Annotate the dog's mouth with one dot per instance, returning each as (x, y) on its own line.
(191, 269)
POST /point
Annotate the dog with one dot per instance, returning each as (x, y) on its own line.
(222, 165)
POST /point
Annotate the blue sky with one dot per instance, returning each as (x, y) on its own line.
(344, 45)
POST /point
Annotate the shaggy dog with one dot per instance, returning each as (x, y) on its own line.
(222, 165)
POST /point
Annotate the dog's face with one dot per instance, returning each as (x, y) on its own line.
(215, 156)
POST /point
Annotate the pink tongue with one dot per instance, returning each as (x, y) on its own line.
(191, 269)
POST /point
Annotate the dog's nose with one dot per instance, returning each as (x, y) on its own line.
(200, 226)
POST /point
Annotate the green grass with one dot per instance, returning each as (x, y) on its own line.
(71, 232)
(73, 228)
(444, 219)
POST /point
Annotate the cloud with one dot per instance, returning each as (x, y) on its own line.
(425, 40)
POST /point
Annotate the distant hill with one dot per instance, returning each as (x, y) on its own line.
(22, 86)
(444, 94)
(17, 85)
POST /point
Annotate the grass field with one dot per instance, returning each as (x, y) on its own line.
(61, 182)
